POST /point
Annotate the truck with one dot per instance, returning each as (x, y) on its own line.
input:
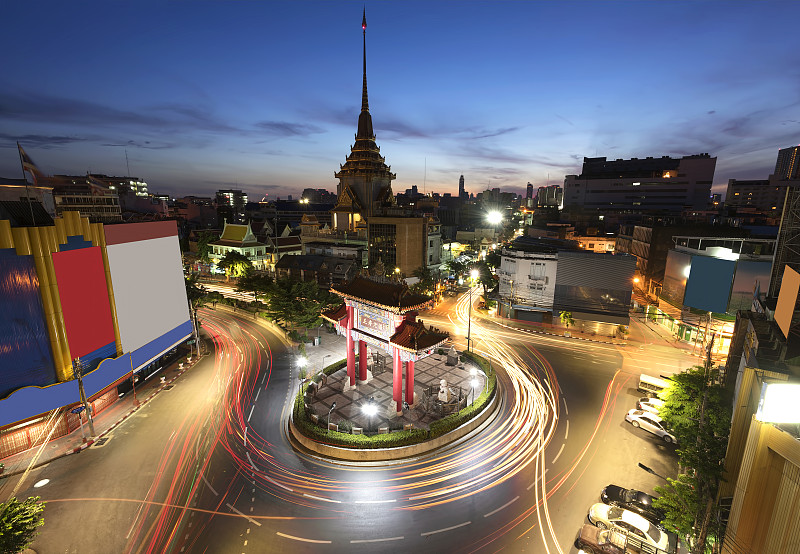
(594, 540)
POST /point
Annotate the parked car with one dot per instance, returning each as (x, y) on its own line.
(636, 501)
(614, 517)
(650, 422)
(649, 404)
(598, 541)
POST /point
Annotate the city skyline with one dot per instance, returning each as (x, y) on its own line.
(265, 97)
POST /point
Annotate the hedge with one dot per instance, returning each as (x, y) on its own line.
(396, 438)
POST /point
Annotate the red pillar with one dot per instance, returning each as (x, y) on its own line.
(397, 379)
(351, 357)
(362, 360)
(410, 381)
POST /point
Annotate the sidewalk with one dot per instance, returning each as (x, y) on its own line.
(104, 422)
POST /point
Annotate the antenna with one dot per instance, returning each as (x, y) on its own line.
(127, 165)
(425, 176)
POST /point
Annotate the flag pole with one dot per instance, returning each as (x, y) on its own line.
(22, 165)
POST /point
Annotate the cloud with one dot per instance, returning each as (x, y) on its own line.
(146, 144)
(288, 129)
(39, 141)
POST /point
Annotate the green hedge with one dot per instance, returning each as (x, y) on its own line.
(396, 438)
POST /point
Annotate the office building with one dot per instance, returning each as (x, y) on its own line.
(231, 206)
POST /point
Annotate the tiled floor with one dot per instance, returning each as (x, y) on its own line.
(427, 372)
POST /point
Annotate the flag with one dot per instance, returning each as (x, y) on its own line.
(29, 166)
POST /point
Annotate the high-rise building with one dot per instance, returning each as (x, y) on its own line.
(643, 185)
(230, 206)
(529, 191)
(462, 194)
(787, 167)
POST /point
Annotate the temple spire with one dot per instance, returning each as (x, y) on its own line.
(364, 119)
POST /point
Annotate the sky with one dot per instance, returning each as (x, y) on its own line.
(265, 96)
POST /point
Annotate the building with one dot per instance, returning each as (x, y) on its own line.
(788, 247)
(240, 239)
(550, 196)
(662, 185)
(230, 206)
(325, 270)
(765, 195)
(93, 199)
(86, 300)
(123, 185)
(541, 277)
(787, 166)
(13, 190)
(599, 244)
(463, 195)
(405, 242)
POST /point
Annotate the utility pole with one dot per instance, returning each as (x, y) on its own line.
(79, 372)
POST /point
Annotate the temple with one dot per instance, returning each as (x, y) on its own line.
(365, 181)
(384, 315)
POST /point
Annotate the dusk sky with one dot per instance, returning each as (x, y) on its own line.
(265, 96)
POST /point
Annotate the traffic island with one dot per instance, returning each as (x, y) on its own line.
(364, 433)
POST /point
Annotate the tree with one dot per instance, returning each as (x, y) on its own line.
(203, 247)
(485, 275)
(256, 283)
(697, 409)
(18, 523)
(566, 319)
(235, 264)
(493, 258)
(213, 297)
(456, 268)
(427, 281)
(298, 303)
(195, 293)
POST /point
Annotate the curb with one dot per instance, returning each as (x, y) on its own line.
(531, 331)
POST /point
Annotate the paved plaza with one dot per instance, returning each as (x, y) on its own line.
(428, 372)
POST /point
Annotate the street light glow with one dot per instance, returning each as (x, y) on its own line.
(494, 217)
(302, 361)
(474, 273)
(369, 409)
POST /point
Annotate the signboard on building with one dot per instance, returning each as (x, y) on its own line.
(374, 323)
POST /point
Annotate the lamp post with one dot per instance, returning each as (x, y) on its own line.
(474, 275)
(369, 409)
(474, 384)
(301, 363)
(650, 470)
(333, 407)
(79, 370)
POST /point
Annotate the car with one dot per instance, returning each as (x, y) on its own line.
(620, 519)
(651, 423)
(649, 404)
(598, 541)
(637, 502)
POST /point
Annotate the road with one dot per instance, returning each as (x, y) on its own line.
(207, 466)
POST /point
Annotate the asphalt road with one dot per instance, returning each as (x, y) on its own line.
(207, 466)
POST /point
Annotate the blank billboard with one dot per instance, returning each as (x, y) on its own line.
(787, 299)
(709, 284)
(148, 281)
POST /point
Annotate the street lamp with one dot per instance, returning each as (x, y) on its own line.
(369, 409)
(650, 470)
(474, 384)
(474, 275)
(333, 407)
(494, 217)
(79, 371)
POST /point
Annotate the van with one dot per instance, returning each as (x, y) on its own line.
(651, 385)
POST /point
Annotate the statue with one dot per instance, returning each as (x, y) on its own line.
(444, 392)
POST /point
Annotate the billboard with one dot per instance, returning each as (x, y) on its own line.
(25, 356)
(787, 299)
(744, 283)
(83, 292)
(709, 284)
(147, 275)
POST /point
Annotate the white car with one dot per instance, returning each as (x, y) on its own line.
(650, 404)
(650, 422)
(619, 519)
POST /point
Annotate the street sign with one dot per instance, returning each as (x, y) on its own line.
(78, 410)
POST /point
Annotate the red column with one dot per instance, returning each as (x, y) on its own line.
(410, 381)
(397, 379)
(362, 360)
(351, 357)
